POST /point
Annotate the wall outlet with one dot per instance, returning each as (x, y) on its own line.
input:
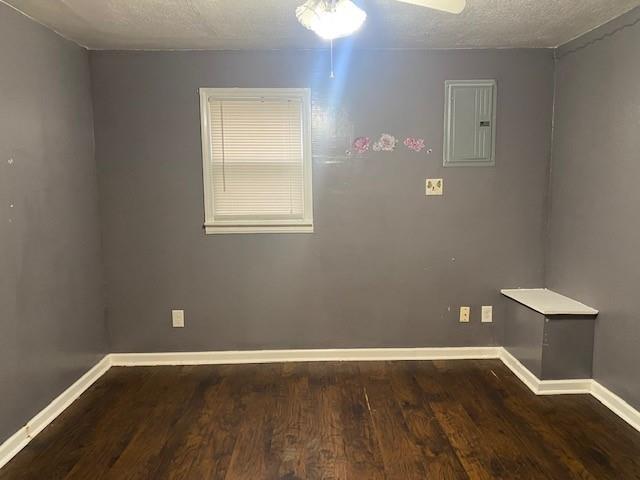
(434, 186)
(487, 314)
(177, 316)
(465, 314)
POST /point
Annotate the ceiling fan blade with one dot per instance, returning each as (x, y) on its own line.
(451, 6)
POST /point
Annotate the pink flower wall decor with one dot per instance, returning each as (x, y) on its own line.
(361, 144)
(415, 144)
(386, 143)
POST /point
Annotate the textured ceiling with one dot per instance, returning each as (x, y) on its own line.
(270, 24)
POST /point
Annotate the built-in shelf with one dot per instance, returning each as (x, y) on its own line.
(548, 302)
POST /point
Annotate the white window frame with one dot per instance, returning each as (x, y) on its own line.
(213, 226)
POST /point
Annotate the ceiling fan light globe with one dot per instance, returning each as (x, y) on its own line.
(331, 20)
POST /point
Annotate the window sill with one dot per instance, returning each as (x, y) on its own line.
(228, 229)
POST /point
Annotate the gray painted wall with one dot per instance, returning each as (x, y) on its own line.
(386, 266)
(51, 303)
(594, 234)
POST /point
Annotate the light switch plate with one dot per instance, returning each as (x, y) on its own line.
(177, 317)
(487, 314)
(434, 186)
(465, 314)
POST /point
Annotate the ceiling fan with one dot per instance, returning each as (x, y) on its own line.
(332, 19)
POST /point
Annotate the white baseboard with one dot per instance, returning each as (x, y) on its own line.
(12, 446)
(616, 404)
(22, 437)
(318, 355)
(540, 387)
(537, 386)
(544, 387)
(564, 387)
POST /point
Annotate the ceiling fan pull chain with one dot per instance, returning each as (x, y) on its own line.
(332, 75)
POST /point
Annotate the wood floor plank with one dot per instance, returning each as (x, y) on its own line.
(213, 435)
(71, 437)
(187, 438)
(569, 427)
(537, 435)
(114, 429)
(592, 439)
(525, 458)
(402, 458)
(362, 451)
(439, 457)
(306, 421)
(325, 454)
(291, 416)
(140, 457)
(479, 457)
(252, 456)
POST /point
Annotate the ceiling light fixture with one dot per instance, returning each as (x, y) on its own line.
(331, 19)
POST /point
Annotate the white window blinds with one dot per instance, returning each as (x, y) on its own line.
(257, 165)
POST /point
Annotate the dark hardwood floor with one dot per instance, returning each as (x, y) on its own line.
(378, 420)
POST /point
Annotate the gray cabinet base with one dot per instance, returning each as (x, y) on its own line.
(554, 347)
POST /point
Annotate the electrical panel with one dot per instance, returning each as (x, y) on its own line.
(470, 123)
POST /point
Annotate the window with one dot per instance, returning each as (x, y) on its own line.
(256, 149)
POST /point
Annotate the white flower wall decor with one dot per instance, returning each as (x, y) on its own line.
(386, 143)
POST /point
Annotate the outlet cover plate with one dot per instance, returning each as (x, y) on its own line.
(434, 186)
(465, 314)
(177, 318)
(487, 314)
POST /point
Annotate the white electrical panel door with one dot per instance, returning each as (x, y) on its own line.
(470, 123)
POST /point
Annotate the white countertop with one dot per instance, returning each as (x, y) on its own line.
(548, 302)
